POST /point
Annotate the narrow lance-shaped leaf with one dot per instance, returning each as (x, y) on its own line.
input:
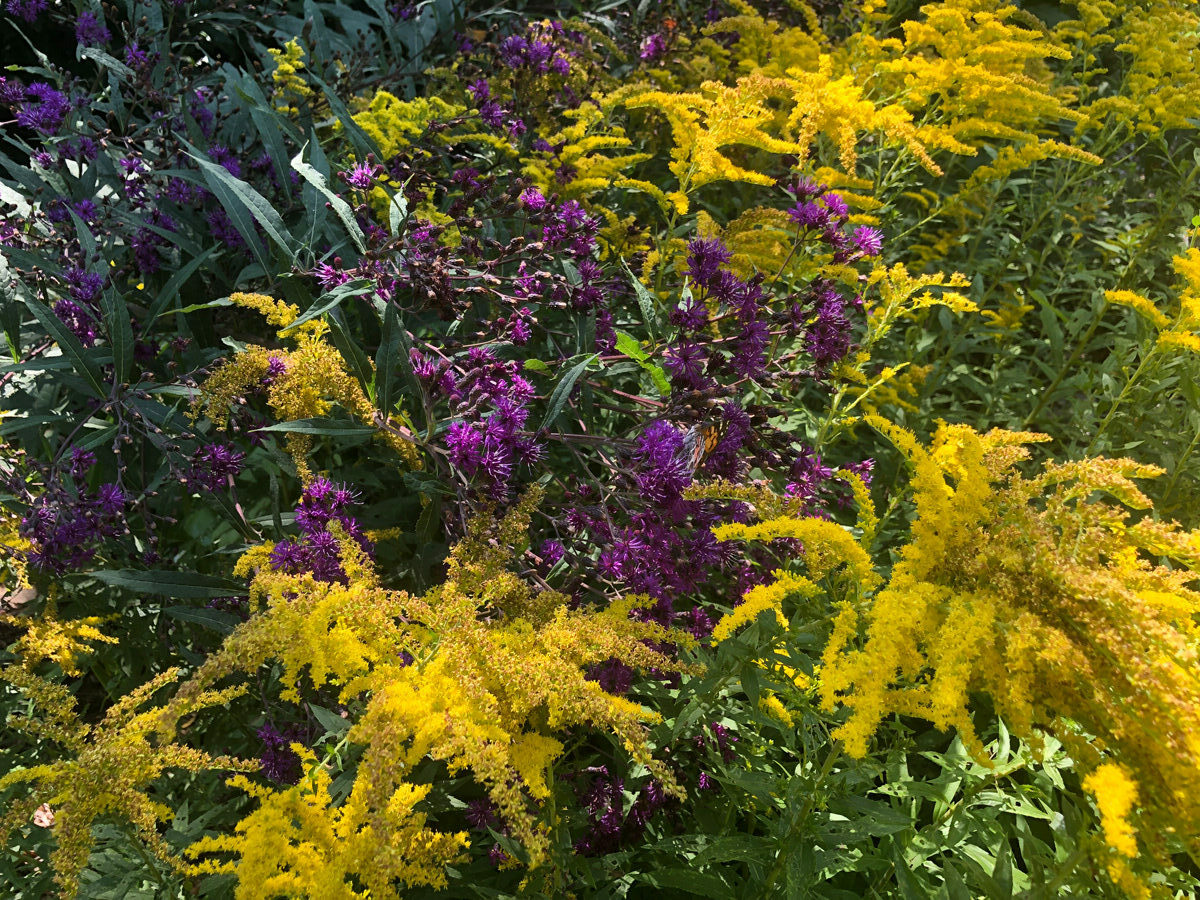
(562, 391)
(84, 364)
(340, 206)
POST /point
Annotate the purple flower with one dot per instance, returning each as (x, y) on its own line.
(279, 761)
(360, 177)
(81, 461)
(47, 114)
(276, 366)
(90, 30)
(513, 51)
(85, 286)
(222, 229)
(532, 199)
(491, 113)
(614, 676)
(214, 464)
(496, 856)
(553, 551)
(867, 240)
(661, 472)
(481, 813)
(11, 92)
(705, 782)
(86, 210)
(652, 47)
(807, 214)
(317, 550)
(705, 258)
(135, 57)
(110, 499)
(28, 10)
(77, 318)
(465, 445)
(828, 337)
(479, 90)
(835, 204)
(227, 158)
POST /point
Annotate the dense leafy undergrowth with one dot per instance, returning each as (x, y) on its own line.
(733, 450)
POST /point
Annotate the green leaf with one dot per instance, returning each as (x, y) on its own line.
(170, 583)
(238, 196)
(332, 300)
(330, 721)
(562, 391)
(173, 287)
(690, 882)
(107, 61)
(352, 353)
(216, 619)
(328, 427)
(120, 334)
(629, 345)
(340, 206)
(644, 298)
(385, 359)
(83, 363)
(196, 307)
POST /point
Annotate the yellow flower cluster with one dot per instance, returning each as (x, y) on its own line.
(1059, 605)
(1160, 43)
(290, 86)
(49, 638)
(112, 766)
(1183, 330)
(299, 844)
(498, 670)
(392, 122)
(313, 379)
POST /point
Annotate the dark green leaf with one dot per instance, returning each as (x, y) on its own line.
(170, 583)
(562, 391)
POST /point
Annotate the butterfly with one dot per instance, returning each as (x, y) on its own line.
(700, 441)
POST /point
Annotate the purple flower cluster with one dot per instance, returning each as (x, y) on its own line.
(66, 524)
(824, 213)
(90, 30)
(317, 551)
(611, 826)
(652, 47)
(489, 439)
(39, 106)
(29, 10)
(545, 48)
(213, 465)
(693, 359)
(280, 763)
